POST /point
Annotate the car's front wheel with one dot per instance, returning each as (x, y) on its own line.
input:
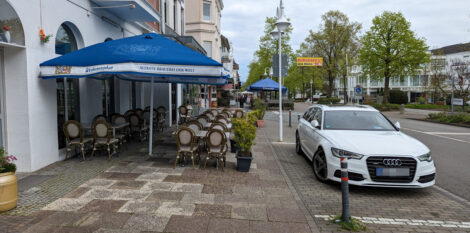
(320, 168)
(298, 147)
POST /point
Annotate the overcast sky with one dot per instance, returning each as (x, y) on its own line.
(440, 22)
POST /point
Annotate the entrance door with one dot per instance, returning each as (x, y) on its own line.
(2, 114)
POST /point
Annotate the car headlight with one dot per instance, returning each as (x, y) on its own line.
(426, 157)
(343, 153)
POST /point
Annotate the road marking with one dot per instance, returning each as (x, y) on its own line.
(284, 143)
(458, 140)
(400, 221)
(447, 133)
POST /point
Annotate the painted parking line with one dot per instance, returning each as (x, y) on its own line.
(284, 143)
(409, 222)
(437, 135)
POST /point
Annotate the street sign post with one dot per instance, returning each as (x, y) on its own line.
(358, 90)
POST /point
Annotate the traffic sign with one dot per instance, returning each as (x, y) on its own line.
(358, 90)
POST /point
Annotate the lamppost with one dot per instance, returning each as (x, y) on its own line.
(281, 26)
(311, 89)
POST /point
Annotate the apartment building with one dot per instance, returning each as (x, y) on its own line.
(203, 23)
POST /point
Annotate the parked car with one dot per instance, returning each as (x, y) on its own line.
(378, 153)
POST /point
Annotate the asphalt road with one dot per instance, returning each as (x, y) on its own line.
(450, 148)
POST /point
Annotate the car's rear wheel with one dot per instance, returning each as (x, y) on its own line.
(320, 168)
(298, 147)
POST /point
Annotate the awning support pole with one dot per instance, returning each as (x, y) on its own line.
(151, 118)
(169, 104)
(66, 100)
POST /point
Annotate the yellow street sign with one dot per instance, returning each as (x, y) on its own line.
(309, 61)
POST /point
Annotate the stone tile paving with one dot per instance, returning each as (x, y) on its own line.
(383, 209)
(136, 193)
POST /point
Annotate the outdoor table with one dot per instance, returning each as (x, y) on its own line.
(113, 126)
(203, 133)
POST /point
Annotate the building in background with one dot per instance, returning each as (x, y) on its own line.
(444, 61)
(203, 23)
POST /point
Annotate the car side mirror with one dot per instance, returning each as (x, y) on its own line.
(397, 124)
(315, 124)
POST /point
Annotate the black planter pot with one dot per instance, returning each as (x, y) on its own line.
(233, 146)
(244, 162)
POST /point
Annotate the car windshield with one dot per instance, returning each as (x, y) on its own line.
(356, 120)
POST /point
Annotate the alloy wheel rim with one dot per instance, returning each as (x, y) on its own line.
(319, 166)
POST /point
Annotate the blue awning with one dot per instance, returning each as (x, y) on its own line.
(266, 84)
(138, 58)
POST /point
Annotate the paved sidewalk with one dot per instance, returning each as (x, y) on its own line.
(383, 209)
(142, 194)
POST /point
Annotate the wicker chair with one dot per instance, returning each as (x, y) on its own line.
(195, 125)
(183, 114)
(220, 126)
(102, 136)
(217, 147)
(99, 118)
(186, 141)
(215, 112)
(73, 131)
(139, 112)
(203, 119)
(138, 127)
(222, 120)
(238, 113)
(123, 133)
(128, 113)
(190, 110)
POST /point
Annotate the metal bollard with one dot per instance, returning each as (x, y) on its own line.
(345, 216)
(402, 108)
(290, 118)
(298, 118)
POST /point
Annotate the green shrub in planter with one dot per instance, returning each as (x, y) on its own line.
(244, 133)
(398, 97)
(252, 117)
(261, 108)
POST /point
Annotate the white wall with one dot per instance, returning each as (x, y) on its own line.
(31, 111)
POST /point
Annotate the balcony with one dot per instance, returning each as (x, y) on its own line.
(225, 57)
(129, 10)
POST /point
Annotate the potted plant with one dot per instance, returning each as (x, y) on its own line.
(8, 181)
(244, 136)
(252, 117)
(261, 108)
(5, 32)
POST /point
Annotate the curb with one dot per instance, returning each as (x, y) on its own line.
(311, 223)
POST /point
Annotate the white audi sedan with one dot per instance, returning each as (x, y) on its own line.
(379, 154)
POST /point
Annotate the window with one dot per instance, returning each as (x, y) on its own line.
(206, 11)
(166, 12)
(174, 16)
(208, 48)
(357, 120)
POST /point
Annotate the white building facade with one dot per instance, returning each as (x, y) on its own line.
(32, 109)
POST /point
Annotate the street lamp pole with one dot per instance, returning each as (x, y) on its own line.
(281, 24)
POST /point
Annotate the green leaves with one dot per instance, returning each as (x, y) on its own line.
(268, 46)
(391, 49)
(244, 133)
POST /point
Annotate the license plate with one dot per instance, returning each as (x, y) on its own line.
(381, 171)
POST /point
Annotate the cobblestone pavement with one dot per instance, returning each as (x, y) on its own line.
(137, 193)
(383, 209)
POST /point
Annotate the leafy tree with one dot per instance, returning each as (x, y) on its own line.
(267, 48)
(391, 49)
(336, 37)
